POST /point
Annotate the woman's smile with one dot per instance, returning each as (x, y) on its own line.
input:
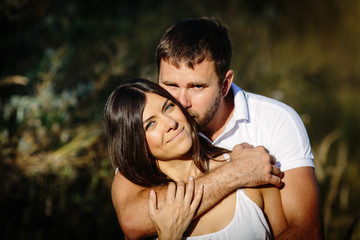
(176, 135)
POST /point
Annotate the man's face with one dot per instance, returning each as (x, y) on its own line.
(196, 89)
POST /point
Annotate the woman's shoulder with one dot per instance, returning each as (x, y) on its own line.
(255, 195)
(218, 161)
(262, 194)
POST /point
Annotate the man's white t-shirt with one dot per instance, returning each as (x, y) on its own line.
(259, 120)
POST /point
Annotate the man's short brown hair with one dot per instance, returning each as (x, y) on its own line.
(194, 40)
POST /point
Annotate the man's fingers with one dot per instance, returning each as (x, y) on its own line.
(272, 159)
(276, 176)
(276, 181)
(245, 145)
(276, 171)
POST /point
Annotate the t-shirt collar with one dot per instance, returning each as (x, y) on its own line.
(241, 111)
(241, 108)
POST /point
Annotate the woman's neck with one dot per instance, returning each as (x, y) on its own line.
(179, 170)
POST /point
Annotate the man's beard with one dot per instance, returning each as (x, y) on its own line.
(209, 114)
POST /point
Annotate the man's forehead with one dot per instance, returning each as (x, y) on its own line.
(187, 63)
(202, 74)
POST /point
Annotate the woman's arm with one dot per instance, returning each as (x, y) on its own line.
(273, 210)
(174, 217)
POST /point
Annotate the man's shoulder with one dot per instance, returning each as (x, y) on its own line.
(255, 99)
(272, 106)
(270, 112)
(262, 109)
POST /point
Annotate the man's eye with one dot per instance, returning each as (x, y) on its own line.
(198, 86)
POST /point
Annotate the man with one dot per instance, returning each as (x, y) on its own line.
(193, 60)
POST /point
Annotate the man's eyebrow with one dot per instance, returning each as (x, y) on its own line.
(195, 83)
(168, 82)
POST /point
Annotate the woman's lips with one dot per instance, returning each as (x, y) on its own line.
(176, 135)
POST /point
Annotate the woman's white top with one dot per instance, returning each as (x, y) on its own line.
(248, 223)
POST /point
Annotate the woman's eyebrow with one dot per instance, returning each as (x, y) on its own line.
(162, 109)
(148, 119)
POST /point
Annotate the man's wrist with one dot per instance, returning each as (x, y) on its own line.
(235, 179)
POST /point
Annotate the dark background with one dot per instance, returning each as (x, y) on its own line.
(59, 61)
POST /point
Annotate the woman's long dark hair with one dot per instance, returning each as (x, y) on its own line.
(128, 148)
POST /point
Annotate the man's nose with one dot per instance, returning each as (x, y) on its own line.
(184, 99)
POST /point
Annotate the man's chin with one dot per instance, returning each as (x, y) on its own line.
(194, 117)
(201, 122)
(201, 125)
(198, 122)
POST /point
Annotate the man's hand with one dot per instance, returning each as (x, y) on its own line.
(255, 166)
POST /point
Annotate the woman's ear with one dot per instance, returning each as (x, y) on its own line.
(227, 82)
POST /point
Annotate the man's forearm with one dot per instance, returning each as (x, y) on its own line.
(132, 207)
(224, 180)
(248, 167)
(218, 184)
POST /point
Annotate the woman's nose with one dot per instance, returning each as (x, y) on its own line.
(172, 123)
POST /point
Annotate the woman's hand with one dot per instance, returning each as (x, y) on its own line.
(180, 206)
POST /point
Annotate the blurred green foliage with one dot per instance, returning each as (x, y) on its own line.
(61, 59)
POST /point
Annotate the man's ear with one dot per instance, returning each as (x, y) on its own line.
(227, 82)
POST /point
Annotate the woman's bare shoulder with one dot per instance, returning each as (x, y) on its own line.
(217, 162)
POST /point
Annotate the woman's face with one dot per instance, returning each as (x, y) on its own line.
(167, 131)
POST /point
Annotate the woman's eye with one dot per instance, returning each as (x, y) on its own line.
(169, 107)
(149, 125)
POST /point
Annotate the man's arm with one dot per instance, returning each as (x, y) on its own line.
(301, 204)
(248, 167)
(129, 203)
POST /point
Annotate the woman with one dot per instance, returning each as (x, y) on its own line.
(154, 141)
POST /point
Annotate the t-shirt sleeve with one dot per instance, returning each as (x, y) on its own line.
(290, 141)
